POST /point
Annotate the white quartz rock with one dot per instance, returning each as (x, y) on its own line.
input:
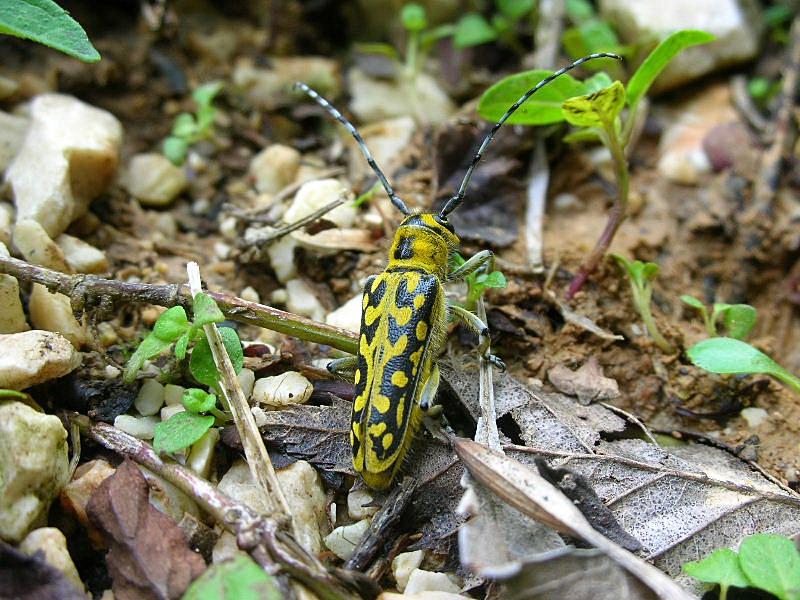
(153, 180)
(12, 315)
(282, 390)
(315, 195)
(52, 543)
(274, 168)
(69, 157)
(34, 357)
(342, 540)
(33, 467)
(348, 315)
(80, 256)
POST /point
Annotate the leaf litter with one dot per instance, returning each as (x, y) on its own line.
(680, 503)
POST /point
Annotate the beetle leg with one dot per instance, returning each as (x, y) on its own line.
(427, 398)
(484, 257)
(343, 367)
(481, 330)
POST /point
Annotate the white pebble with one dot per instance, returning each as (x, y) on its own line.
(282, 390)
(154, 180)
(342, 540)
(250, 294)
(302, 300)
(281, 257)
(227, 228)
(247, 380)
(279, 296)
(80, 256)
(112, 372)
(430, 581)
(259, 415)
(315, 195)
(32, 357)
(202, 453)
(150, 398)
(754, 416)
(173, 394)
(139, 427)
(357, 501)
(36, 246)
(222, 250)
(274, 167)
(348, 315)
(403, 564)
(169, 410)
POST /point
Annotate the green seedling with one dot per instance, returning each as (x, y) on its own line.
(45, 22)
(190, 128)
(762, 89)
(641, 276)
(765, 562)
(728, 356)
(11, 395)
(478, 282)
(590, 34)
(738, 319)
(173, 327)
(237, 579)
(473, 29)
(596, 108)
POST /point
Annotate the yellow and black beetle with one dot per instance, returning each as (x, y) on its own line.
(404, 319)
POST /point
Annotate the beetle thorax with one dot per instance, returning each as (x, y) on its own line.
(423, 243)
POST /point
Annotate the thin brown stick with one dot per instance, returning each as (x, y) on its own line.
(85, 291)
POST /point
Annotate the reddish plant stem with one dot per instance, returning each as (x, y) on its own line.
(615, 217)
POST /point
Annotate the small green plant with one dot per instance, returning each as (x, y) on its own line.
(478, 282)
(45, 22)
(762, 89)
(595, 107)
(738, 319)
(728, 356)
(590, 34)
(183, 429)
(190, 128)
(473, 29)
(237, 579)
(765, 562)
(641, 276)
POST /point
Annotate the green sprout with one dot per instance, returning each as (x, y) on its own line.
(190, 128)
(765, 561)
(641, 276)
(478, 282)
(728, 356)
(473, 29)
(590, 34)
(738, 319)
(183, 429)
(595, 107)
(46, 22)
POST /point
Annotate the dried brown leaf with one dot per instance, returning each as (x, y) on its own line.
(587, 383)
(149, 557)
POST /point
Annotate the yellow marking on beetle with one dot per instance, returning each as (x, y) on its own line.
(422, 331)
(376, 282)
(363, 345)
(387, 440)
(412, 281)
(381, 404)
(364, 302)
(372, 313)
(419, 301)
(401, 407)
(357, 377)
(359, 403)
(402, 315)
(377, 429)
(399, 379)
(400, 345)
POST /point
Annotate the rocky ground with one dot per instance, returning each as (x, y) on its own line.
(88, 191)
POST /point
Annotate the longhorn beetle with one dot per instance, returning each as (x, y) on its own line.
(404, 318)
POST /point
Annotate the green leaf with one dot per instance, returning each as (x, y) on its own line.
(771, 563)
(739, 320)
(205, 94)
(582, 135)
(180, 431)
(171, 324)
(198, 401)
(413, 17)
(182, 345)
(728, 356)
(578, 10)
(721, 566)
(46, 22)
(175, 149)
(184, 126)
(495, 279)
(148, 348)
(4, 393)
(659, 58)
(598, 109)
(515, 9)
(597, 82)
(543, 108)
(693, 302)
(640, 273)
(202, 362)
(237, 579)
(206, 310)
(472, 30)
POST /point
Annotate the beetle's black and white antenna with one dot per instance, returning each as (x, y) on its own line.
(396, 200)
(453, 202)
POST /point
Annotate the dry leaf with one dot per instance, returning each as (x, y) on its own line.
(588, 383)
(149, 557)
